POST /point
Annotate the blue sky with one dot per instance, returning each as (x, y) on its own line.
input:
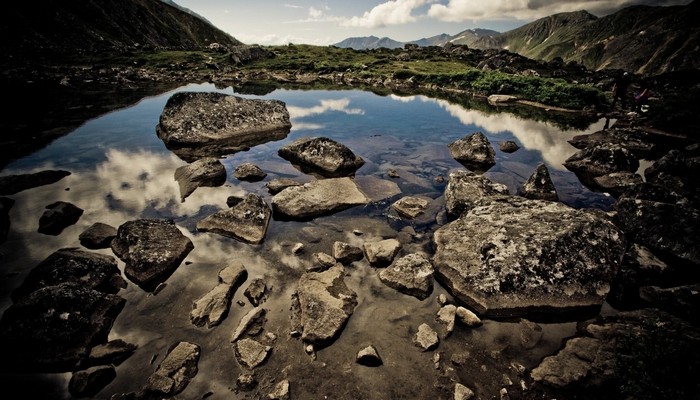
(326, 22)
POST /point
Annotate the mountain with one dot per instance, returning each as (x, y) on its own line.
(368, 42)
(640, 39)
(438, 40)
(470, 36)
(85, 26)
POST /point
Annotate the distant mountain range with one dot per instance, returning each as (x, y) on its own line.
(640, 39)
(468, 37)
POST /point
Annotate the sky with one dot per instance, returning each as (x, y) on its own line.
(324, 22)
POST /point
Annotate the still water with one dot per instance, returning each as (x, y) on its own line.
(120, 171)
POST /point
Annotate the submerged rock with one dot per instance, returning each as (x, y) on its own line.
(246, 221)
(411, 206)
(249, 172)
(200, 124)
(511, 256)
(323, 156)
(152, 249)
(326, 304)
(13, 184)
(207, 171)
(213, 307)
(317, 198)
(250, 353)
(277, 185)
(58, 216)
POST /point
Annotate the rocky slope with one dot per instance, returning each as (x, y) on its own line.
(640, 39)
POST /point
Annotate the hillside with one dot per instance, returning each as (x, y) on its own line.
(58, 28)
(641, 39)
(466, 37)
(368, 42)
(470, 36)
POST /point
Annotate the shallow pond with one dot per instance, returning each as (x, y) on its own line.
(120, 171)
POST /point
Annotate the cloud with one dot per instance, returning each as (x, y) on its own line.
(466, 10)
(277, 40)
(395, 12)
(339, 105)
(292, 6)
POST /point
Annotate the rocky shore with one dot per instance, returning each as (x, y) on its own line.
(627, 278)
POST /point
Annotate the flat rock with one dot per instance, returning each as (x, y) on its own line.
(511, 256)
(321, 155)
(277, 185)
(213, 307)
(382, 252)
(98, 236)
(207, 171)
(205, 124)
(13, 184)
(345, 253)
(601, 160)
(411, 274)
(246, 221)
(176, 370)
(326, 304)
(465, 188)
(317, 198)
(152, 250)
(250, 353)
(426, 338)
(411, 206)
(248, 320)
(617, 183)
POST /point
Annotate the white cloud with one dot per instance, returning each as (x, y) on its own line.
(395, 12)
(292, 6)
(315, 13)
(339, 105)
(466, 10)
(276, 40)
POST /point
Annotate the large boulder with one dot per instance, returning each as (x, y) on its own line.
(201, 124)
(152, 249)
(510, 256)
(474, 152)
(322, 155)
(317, 198)
(246, 221)
(326, 304)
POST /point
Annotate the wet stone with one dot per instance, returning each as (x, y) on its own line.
(322, 155)
(250, 353)
(89, 382)
(411, 274)
(249, 172)
(58, 216)
(256, 292)
(176, 370)
(277, 185)
(98, 236)
(213, 307)
(346, 253)
(508, 146)
(207, 171)
(369, 357)
(246, 221)
(426, 338)
(381, 253)
(474, 152)
(539, 185)
(280, 392)
(411, 206)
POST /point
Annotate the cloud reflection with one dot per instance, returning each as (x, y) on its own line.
(328, 105)
(547, 139)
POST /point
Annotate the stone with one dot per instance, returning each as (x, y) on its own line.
(446, 316)
(246, 221)
(411, 274)
(326, 304)
(617, 183)
(152, 250)
(113, 352)
(207, 171)
(250, 353)
(176, 370)
(323, 156)
(601, 160)
(426, 338)
(256, 292)
(246, 382)
(89, 382)
(381, 253)
(465, 188)
(510, 256)
(345, 253)
(211, 124)
(281, 391)
(321, 262)
(13, 184)
(214, 306)
(249, 172)
(410, 206)
(539, 186)
(98, 236)
(508, 146)
(462, 392)
(474, 152)
(277, 185)
(530, 333)
(369, 357)
(57, 217)
(251, 318)
(317, 198)
(468, 318)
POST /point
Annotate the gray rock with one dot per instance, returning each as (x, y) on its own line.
(98, 236)
(251, 318)
(57, 217)
(539, 186)
(510, 256)
(213, 307)
(530, 333)
(246, 221)
(411, 274)
(92, 270)
(617, 183)
(474, 152)
(207, 171)
(199, 124)
(152, 250)
(256, 292)
(465, 188)
(618, 353)
(376, 189)
(410, 206)
(281, 391)
(250, 353)
(53, 328)
(89, 382)
(601, 160)
(317, 198)
(13, 184)
(426, 338)
(640, 143)
(508, 146)
(176, 370)
(322, 155)
(447, 316)
(345, 253)
(462, 392)
(468, 318)
(381, 253)
(246, 382)
(321, 262)
(113, 352)
(326, 304)
(369, 357)
(249, 172)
